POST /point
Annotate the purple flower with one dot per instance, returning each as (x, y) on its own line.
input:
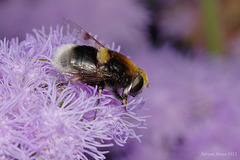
(42, 119)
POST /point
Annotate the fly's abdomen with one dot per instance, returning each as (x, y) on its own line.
(84, 58)
(61, 58)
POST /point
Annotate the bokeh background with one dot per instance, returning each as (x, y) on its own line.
(191, 52)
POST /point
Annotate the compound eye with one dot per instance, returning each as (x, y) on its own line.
(137, 85)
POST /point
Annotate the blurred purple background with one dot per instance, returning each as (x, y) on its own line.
(122, 22)
(194, 95)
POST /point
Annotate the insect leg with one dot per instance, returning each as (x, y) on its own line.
(117, 95)
(100, 89)
(60, 84)
(123, 98)
(76, 79)
(44, 60)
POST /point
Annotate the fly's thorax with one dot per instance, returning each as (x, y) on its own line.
(119, 70)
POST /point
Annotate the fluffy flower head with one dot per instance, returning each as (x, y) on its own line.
(40, 118)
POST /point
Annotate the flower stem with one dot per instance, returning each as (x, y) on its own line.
(212, 27)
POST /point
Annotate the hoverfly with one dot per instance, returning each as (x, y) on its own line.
(95, 64)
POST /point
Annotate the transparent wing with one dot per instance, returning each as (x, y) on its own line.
(80, 34)
(94, 75)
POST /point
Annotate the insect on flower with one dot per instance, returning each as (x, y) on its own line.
(95, 64)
